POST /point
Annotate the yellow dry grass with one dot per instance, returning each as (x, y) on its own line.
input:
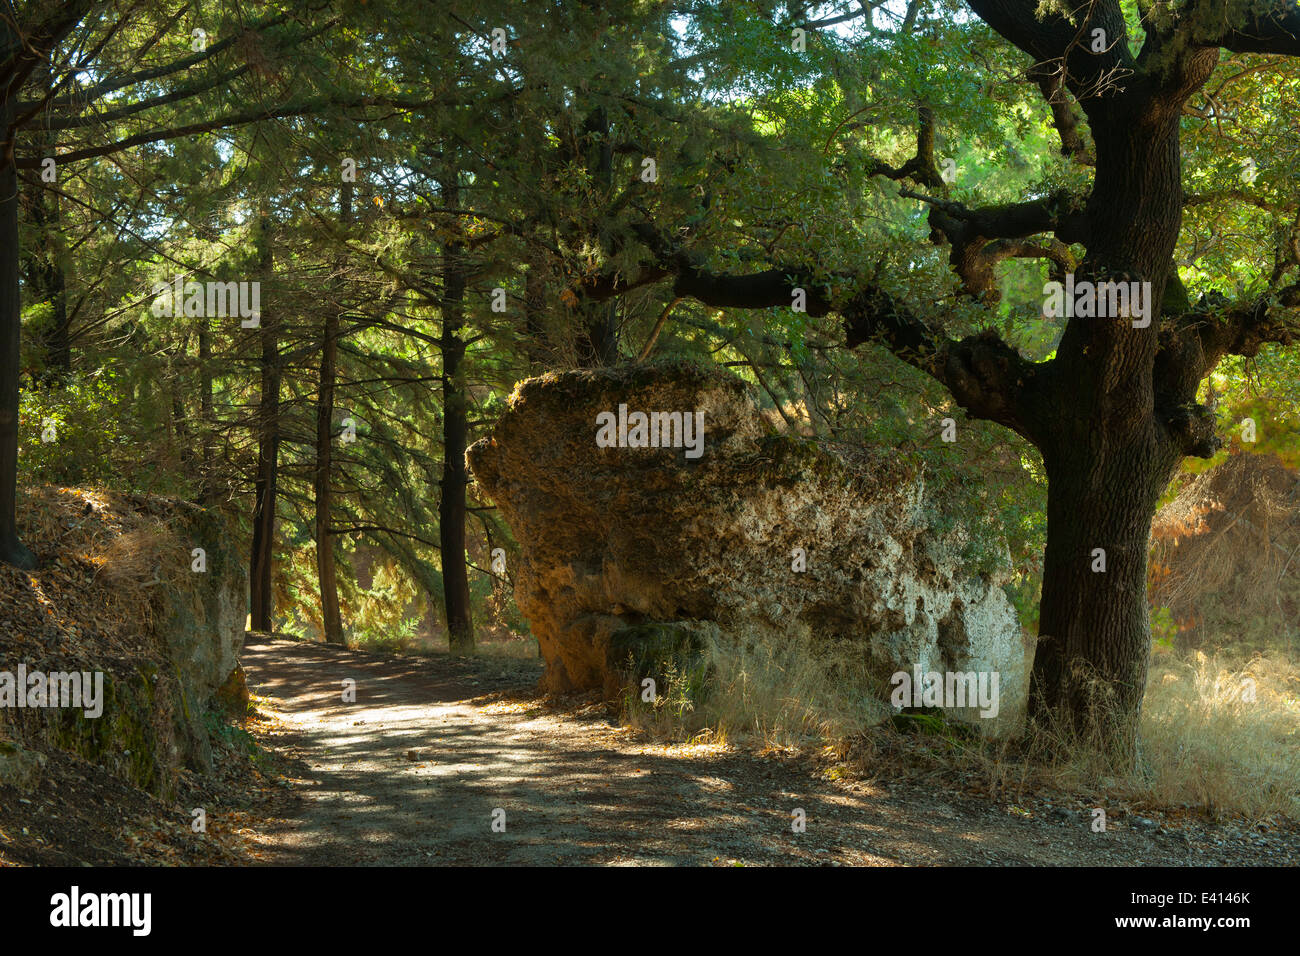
(105, 561)
(1217, 735)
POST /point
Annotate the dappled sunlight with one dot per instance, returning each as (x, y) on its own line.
(416, 773)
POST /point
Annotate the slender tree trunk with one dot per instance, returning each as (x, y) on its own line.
(49, 283)
(268, 455)
(331, 619)
(598, 341)
(206, 423)
(180, 417)
(455, 436)
(326, 573)
(12, 551)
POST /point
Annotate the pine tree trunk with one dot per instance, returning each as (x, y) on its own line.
(47, 282)
(180, 417)
(12, 551)
(331, 620)
(261, 582)
(206, 423)
(326, 572)
(455, 436)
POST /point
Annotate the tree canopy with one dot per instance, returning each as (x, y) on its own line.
(879, 213)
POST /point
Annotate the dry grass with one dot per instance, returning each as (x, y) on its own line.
(490, 642)
(111, 565)
(787, 693)
(139, 560)
(105, 560)
(1223, 735)
(1216, 736)
(1225, 554)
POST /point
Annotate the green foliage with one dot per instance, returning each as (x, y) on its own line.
(530, 160)
(1163, 627)
(82, 432)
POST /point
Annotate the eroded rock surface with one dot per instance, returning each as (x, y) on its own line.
(117, 595)
(616, 538)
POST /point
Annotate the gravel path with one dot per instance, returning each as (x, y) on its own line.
(415, 771)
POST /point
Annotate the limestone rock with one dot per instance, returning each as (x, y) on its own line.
(18, 767)
(616, 538)
(161, 660)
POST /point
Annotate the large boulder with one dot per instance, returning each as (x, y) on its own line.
(613, 539)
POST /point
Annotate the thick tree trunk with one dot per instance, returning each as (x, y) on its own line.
(455, 437)
(12, 551)
(1108, 455)
(326, 573)
(261, 594)
(1094, 640)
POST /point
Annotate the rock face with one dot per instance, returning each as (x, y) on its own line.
(614, 540)
(125, 602)
(202, 626)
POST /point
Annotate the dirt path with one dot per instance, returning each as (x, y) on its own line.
(412, 772)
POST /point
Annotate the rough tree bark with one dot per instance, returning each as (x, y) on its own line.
(455, 437)
(261, 590)
(326, 573)
(12, 551)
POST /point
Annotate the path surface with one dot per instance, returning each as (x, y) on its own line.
(412, 772)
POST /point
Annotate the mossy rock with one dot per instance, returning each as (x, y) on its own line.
(932, 721)
(130, 737)
(232, 697)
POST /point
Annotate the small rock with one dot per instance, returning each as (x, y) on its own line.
(20, 768)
